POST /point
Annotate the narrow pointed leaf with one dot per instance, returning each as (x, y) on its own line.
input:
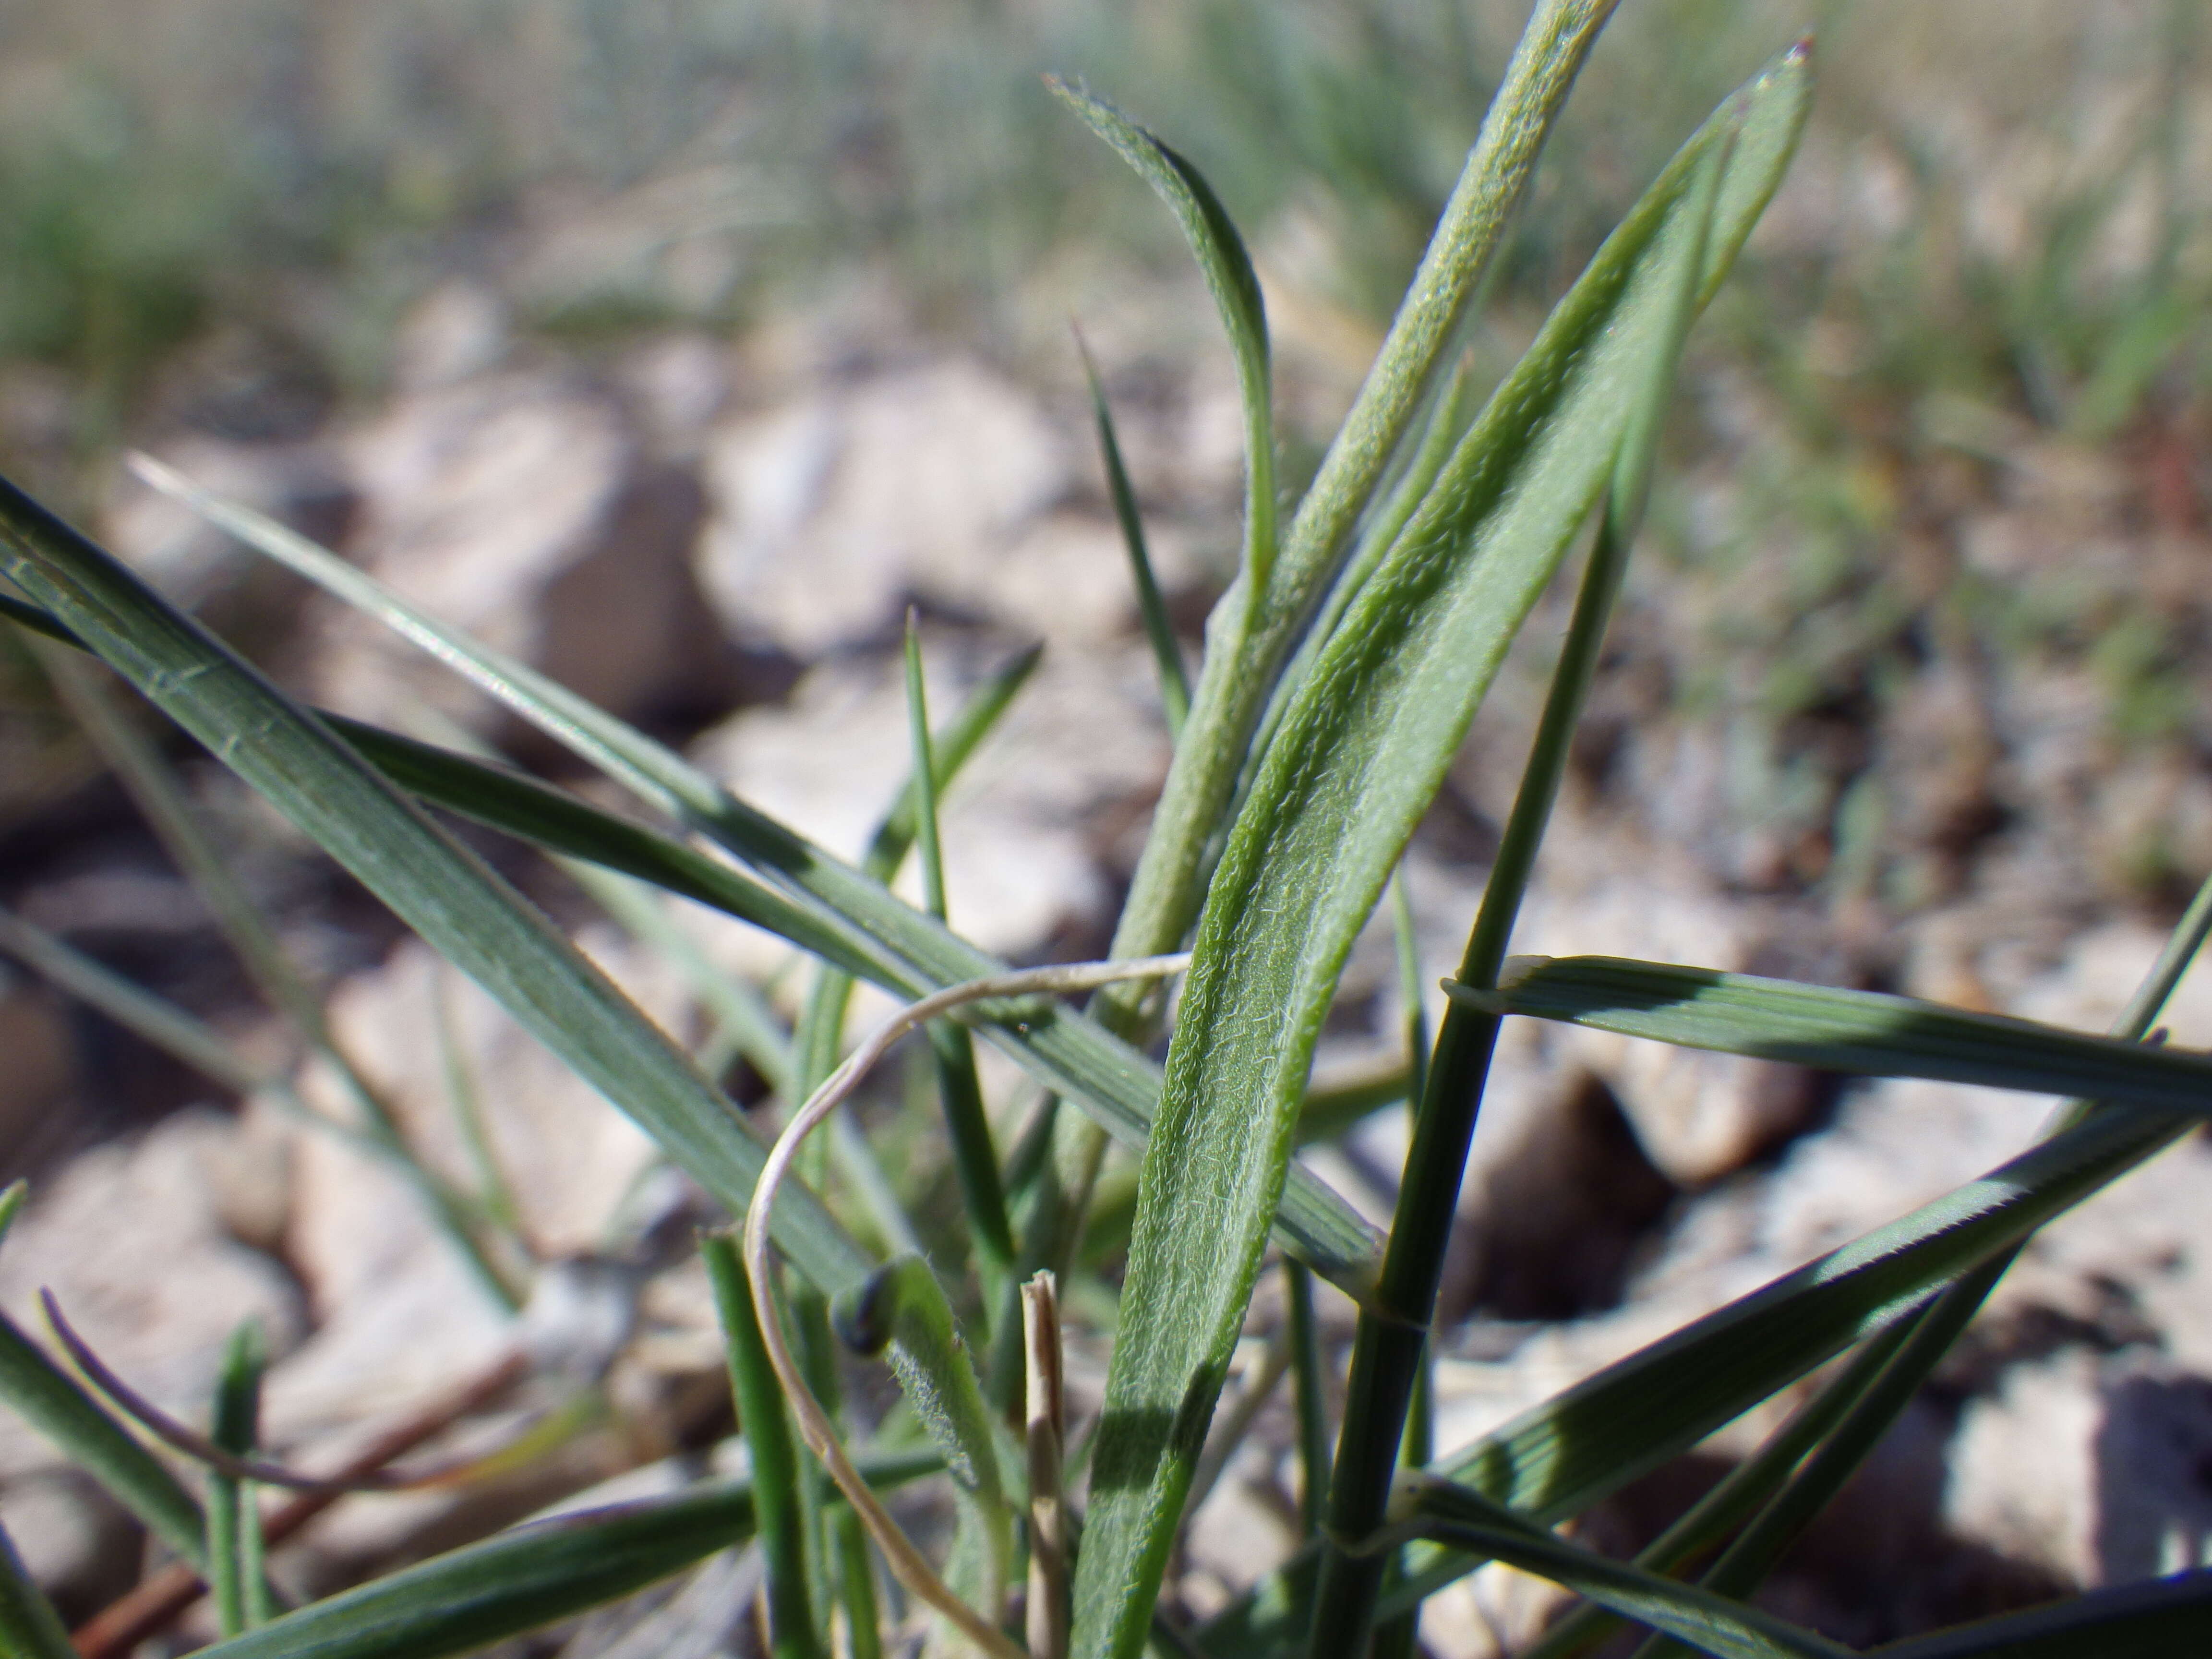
(884, 938)
(49, 1400)
(1359, 756)
(29, 1626)
(1711, 1623)
(448, 893)
(526, 1578)
(2158, 1620)
(1167, 653)
(1558, 1458)
(1206, 226)
(1866, 1033)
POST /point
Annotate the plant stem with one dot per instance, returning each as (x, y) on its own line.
(975, 1159)
(233, 1512)
(1387, 1351)
(775, 1474)
(1309, 1379)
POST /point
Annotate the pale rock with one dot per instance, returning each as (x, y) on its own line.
(828, 512)
(567, 1156)
(1243, 1529)
(517, 508)
(131, 1240)
(1699, 1116)
(2094, 1468)
(77, 1543)
(1081, 747)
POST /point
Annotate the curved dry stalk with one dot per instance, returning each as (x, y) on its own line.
(182, 1438)
(908, 1565)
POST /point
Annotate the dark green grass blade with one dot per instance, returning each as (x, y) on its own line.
(1866, 1033)
(29, 1626)
(2162, 1619)
(523, 1579)
(445, 892)
(1558, 1458)
(1167, 653)
(960, 1092)
(1228, 269)
(49, 1400)
(1738, 1495)
(1710, 1623)
(232, 1507)
(908, 953)
(775, 1460)
(1359, 757)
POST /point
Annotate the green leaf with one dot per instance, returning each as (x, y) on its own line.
(1558, 1458)
(49, 1400)
(1205, 225)
(851, 918)
(448, 895)
(1167, 653)
(2157, 1619)
(525, 1578)
(234, 1515)
(1252, 633)
(1467, 1521)
(766, 1425)
(29, 1626)
(1866, 1033)
(1359, 756)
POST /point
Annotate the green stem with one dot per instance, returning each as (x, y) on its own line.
(975, 1159)
(1390, 1347)
(1167, 653)
(775, 1475)
(856, 1588)
(1309, 1380)
(233, 1512)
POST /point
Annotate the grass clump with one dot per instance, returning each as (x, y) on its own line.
(1342, 670)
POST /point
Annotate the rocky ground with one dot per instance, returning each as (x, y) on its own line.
(720, 541)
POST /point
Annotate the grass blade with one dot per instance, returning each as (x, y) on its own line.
(775, 1460)
(1309, 1379)
(1710, 1623)
(1556, 1459)
(522, 1579)
(1228, 269)
(1739, 1494)
(974, 1158)
(1865, 1033)
(445, 892)
(853, 918)
(49, 1400)
(161, 800)
(2153, 1620)
(29, 1626)
(232, 1510)
(903, 1310)
(156, 1020)
(1251, 635)
(1175, 681)
(1359, 756)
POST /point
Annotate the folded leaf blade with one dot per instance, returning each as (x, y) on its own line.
(1865, 1033)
